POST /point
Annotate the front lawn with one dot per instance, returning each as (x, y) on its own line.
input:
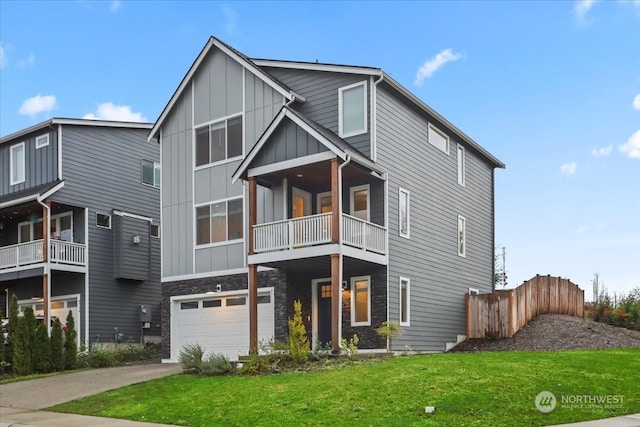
(497, 389)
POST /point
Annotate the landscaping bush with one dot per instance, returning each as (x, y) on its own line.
(24, 343)
(12, 326)
(70, 354)
(215, 364)
(298, 340)
(42, 350)
(350, 346)
(191, 358)
(57, 361)
(621, 310)
(100, 358)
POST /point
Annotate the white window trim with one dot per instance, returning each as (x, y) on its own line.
(462, 231)
(408, 281)
(353, 299)
(40, 144)
(156, 165)
(319, 197)
(462, 166)
(209, 124)
(406, 235)
(442, 134)
(340, 109)
(12, 166)
(224, 242)
(352, 191)
(157, 236)
(102, 226)
(474, 291)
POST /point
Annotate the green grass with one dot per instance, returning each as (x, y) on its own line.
(496, 389)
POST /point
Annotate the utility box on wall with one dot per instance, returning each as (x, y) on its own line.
(145, 313)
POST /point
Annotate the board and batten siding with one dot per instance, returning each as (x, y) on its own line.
(41, 165)
(321, 92)
(221, 88)
(440, 278)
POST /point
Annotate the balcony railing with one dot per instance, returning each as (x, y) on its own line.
(60, 252)
(316, 230)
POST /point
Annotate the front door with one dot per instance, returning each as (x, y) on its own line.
(323, 298)
(301, 203)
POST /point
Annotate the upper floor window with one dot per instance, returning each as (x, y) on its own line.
(438, 139)
(219, 141)
(352, 109)
(359, 202)
(103, 220)
(219, 222)
(151, 173)
(462, 236)
(154, 230)
(461, 165)
(17, 164)
(403, 212)
(42, 141)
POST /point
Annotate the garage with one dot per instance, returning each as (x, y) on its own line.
(220, 322)
(60, 307)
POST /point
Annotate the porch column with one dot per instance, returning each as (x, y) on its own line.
(335, 204)
(335, 303)
(253, 309)
(46, 227)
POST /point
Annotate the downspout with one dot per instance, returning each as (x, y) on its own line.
(374, 119)
(340, 239)
(47, 264)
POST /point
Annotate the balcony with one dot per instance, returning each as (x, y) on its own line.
(289, 238)
(63, 255)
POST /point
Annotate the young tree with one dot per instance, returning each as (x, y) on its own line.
(42, 350)
(298, 340)
(57, 360)
(70, 346)
(12, 326)
(24, 343)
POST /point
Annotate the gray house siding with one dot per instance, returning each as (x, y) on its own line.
(41, 165)
(131, 258)
(97, 178)
(288, 142)
(321, 92)
(439, 276)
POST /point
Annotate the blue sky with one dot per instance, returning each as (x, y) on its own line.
(550, 88)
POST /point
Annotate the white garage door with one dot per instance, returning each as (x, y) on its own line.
(220, 324)
(60, 307)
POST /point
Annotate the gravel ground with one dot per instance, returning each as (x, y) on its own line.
(557, 332)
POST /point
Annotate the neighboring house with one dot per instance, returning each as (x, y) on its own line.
(332, 185)
(79, 225)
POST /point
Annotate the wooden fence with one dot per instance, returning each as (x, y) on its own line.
(505, 312)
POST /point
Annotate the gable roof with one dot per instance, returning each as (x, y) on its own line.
(330, 140)
(238, 57)
(30, 194)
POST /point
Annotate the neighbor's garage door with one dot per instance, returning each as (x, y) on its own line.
(220, 324)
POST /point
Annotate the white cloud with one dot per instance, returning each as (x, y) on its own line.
(603, 151)
(115, 5)
(582, 8)
(28, 61)
(38, 104)
(110, 111)
(231, 19)
(3, 57)
(632, 147)
(636, 100)
(568, 169)
(434, 64)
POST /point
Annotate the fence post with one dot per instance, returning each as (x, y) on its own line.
(468, 308)
(512, 311)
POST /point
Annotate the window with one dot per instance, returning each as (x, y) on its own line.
(61, 228)
(151, 173)
(103, 220)
(189, 305)
(359, 198)
(438, 139)
(462, 236)
(219, 222)
(403, 212)
(236, 301)
(154, 230)
(474, 291)
(404, 301)
(352, 109)
(461, 165)
(219, 141)
(324, 202)
(42, 141)
(16, 165)
(264, 299)
(360, 301)
(211, 303)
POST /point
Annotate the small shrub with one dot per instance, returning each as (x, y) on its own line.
(298, 340)
(388, 331)
(24, 343)
(12, 327)
(350, 346)
(70, 354)
(255, 365)
(42, 350)
(215, 364)
(57, 361)
(100, 358)
(191, 358)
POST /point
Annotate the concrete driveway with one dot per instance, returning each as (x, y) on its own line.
(21, 401)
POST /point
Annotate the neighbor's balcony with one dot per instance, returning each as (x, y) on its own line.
(61, 253)
(316, 230)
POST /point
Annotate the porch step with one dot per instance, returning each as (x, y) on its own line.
(460, 338)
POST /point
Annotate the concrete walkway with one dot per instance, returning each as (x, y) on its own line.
(632, 420)
(20, 401)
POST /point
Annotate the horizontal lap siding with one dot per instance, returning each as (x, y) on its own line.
(102, 171)
(439, 277)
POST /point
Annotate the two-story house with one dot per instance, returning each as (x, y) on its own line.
(329, 184)
(79, 226)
